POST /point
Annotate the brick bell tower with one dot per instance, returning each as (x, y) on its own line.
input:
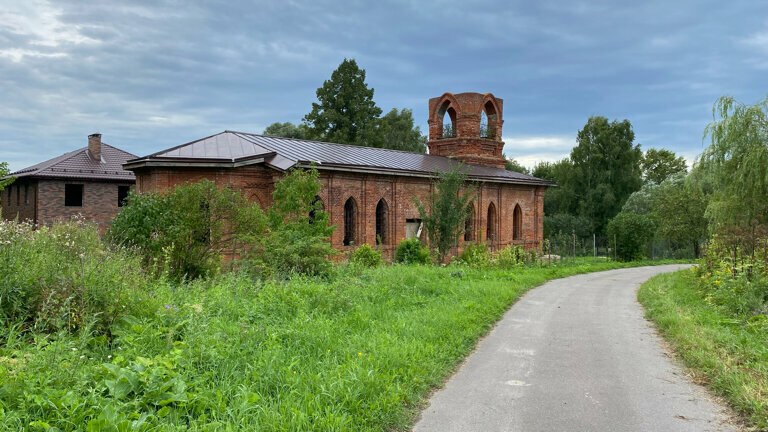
(467, 126)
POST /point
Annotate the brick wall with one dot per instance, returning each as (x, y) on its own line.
(18, 200)
(398, 192)
(99, 202)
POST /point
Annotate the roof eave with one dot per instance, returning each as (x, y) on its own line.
(194, 162)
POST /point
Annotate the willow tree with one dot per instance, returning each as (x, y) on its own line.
(737, 161)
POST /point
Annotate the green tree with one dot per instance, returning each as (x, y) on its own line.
(606, 170)
(679, 213)
(299, 234)
(513, 165)
(345, 112)
(446, 210)
(659, 165)
(399, 133)
(559, 199)
(643, 201)
(736, 161)
(4, 171)
(287, 130)
(632, 233)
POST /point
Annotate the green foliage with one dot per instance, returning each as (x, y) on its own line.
(560, 199)
(659, 165)
(717, 324)
(632, 233)
(515, 256)
(4, 171)
(737, 163)
(287, 130)
(411, 251)
(679, 211)
(476, 255)
(566, 224)
(64, 278)
(399, 133)
(446, 210)
(299, 229)
(183, 232)
(606, 169)
(643, 202)
(345, 112)
(366, 256)
(513, 165)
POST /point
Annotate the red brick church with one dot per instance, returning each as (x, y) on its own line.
(369, 192)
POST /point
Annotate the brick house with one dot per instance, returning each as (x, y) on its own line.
(369, 192)
(89, 181)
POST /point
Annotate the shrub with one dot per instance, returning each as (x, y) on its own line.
(65, 278)
(184, 232)
(632, 233)
(366, 256)
(299, 229)
(512, 256)
(476, 255)
(411, 251)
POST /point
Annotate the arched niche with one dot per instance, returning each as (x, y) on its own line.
(350, 222)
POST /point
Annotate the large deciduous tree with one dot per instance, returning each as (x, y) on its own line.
(514, 165)
(737, 162)
(399, 133)
(287, 130)
(345, 111)
(606, 169)
(659, 165)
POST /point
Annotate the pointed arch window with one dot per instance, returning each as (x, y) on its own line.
(350, 222)
(382, 222)
(317, 204)
(490, 231)
(469, 225)
(449, 128)
(517, 223)
(488, 121)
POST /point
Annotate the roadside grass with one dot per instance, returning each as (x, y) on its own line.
(358, 352)
(729, 353)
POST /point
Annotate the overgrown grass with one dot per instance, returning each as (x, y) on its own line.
(727, 349)
(358, 352)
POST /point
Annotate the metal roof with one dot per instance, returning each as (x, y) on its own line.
(79, 164)
(230, 149)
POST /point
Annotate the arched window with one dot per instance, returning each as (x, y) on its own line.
(469, 224)
(449, 129)
(488, 129)
(490, 232)
(382, 222)
(317, 204)
(350, 222)
(517, 223)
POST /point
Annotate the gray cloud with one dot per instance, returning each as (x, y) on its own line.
(149, 75)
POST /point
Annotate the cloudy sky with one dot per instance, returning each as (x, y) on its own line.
(151, 75)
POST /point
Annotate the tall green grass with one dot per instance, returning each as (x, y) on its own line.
(723, 343)
(357, 352)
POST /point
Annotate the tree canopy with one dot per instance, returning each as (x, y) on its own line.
(659, 165)
(606, 169)
(398, 132)
(513, 165)
(287, 130)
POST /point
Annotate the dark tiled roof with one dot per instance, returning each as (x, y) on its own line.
(232, 148)
(79, 164)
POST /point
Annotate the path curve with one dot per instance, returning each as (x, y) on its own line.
(575, 354)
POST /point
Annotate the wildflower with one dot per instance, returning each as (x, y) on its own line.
(74, 349)
(109, 356)
(82, 356)
(359, 353)
(717, 282)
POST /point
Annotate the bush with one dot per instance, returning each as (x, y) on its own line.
(366, 256)
(512, 256)
(298, 241)
(411, 251)
(184, 232)
(632, 233)
(476, 255)
(65, 278)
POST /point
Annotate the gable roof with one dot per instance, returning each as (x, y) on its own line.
(233, 149)
(79, 164)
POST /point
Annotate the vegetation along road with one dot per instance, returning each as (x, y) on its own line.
(575, 354)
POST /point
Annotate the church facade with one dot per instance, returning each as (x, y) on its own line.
(369, 192)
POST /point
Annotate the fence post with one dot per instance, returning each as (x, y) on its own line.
(594, 248)
(615, 247)
(574, 247)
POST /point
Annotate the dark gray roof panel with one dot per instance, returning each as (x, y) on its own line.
(79, 164)
(289, 152)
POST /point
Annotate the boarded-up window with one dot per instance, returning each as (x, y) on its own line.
(73, 195)
(413, 228)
